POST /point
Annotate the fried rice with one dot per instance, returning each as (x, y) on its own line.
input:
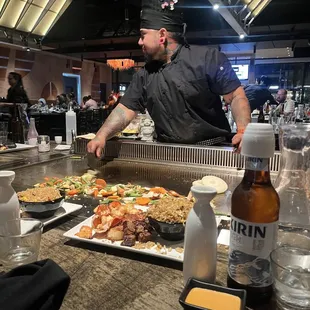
(39, 194)
(171, 210)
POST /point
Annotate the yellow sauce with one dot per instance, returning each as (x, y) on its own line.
(212, 300)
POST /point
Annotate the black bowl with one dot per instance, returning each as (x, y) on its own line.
(168, 231)
(127, 134)
(42, 209)
(191, 283)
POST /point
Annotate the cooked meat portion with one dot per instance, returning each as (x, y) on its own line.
(144, 237)
(129, 228)
(129, 240)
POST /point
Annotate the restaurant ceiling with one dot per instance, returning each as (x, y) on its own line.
(29, 17)
(100, 29)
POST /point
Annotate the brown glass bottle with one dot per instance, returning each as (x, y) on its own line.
(17, 126)
(261, 116)
(255, 212)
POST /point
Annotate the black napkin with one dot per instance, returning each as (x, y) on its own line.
(38, 286)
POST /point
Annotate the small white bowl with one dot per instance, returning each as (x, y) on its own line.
(58, 139)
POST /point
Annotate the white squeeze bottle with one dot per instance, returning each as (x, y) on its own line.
(9, 204)
(200, 244)
(70, 125)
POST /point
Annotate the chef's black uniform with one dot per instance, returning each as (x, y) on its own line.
(182, 96)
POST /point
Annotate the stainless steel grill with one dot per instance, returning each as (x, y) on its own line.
(221, 157)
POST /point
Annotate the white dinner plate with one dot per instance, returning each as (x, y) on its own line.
(169, 250)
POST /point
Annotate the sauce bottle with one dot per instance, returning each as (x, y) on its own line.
(200, 244)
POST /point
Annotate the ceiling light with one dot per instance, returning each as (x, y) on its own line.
(28, 49)
(241, 36)
(36, 16)
(216, 6)
(120, 64)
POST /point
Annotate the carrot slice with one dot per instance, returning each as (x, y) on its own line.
(95, 193)
(106, 194)
(158, 190)
(101, 182)
(120, 192)
(113, 197)
(143, 201)
(73, 192)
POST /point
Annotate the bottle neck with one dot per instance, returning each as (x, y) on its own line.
(257, 170)
(32, 123)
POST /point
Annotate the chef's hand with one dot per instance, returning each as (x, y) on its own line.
(96, 146)
(237, 142)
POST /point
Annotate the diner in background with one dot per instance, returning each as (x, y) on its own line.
(61, 102)
(180, 86)
(72, 100)
(286, 105)
(41, 106)
(88, 103)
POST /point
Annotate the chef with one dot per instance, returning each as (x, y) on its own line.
(180, 85)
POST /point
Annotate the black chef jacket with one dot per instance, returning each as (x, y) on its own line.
(258, 95)
(182, 96)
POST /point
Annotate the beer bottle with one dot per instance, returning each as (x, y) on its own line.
(254, 215)
(261, 116)
(17, 126)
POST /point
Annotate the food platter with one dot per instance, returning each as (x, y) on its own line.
(129, 217)
(19, 147)
(170, 250)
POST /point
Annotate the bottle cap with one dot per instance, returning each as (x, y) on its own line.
(258, 141)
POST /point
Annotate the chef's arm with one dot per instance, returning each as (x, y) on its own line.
(240, 108)
(118, 120)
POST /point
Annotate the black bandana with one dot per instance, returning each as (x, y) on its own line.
(156, 14)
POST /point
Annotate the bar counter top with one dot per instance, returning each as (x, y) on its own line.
(103, 278)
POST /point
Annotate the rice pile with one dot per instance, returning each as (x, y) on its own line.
(39, 194)
(171, 210)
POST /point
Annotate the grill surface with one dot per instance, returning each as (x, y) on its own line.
(221, 157)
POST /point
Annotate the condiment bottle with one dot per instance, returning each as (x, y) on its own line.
(9, 204)
(200, 244)
(70, 125)
(255, 209)
(17, 126)
(261, 117)
(32, 136)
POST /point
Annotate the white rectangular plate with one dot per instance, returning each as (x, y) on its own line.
(65, 209)
(170, 255)
(19, 147)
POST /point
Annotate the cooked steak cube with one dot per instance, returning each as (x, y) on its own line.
(144, 237)
(139, 229)
(129, 240)
(129, 228)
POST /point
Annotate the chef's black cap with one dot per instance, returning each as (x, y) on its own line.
(154, 16)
